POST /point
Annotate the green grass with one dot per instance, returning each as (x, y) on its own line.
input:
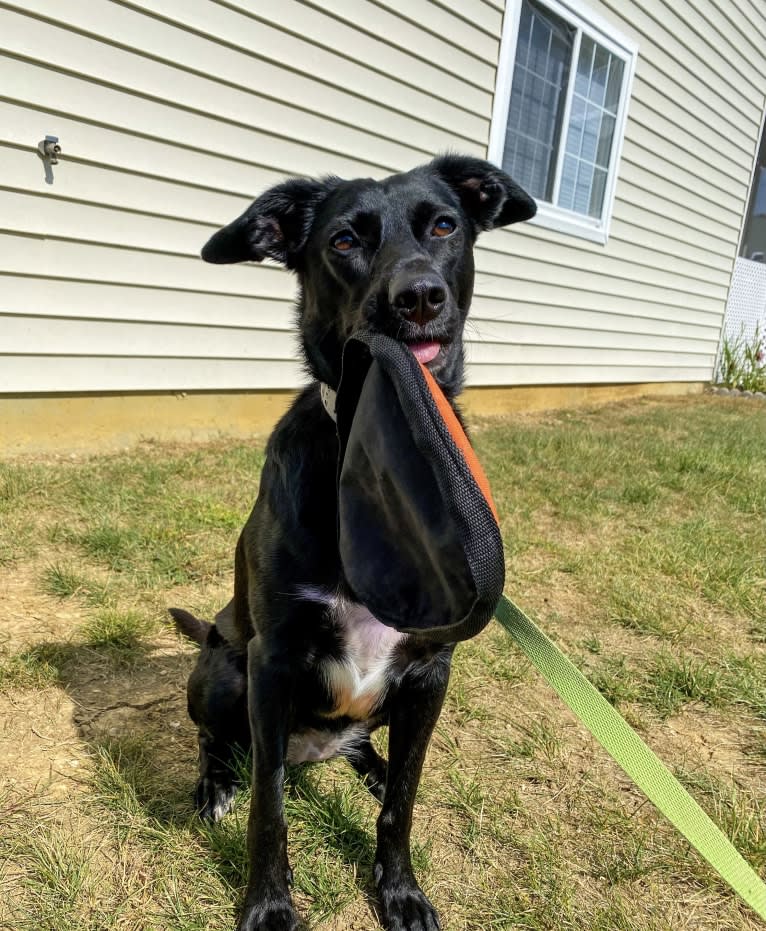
(25, 670)
(61, 580)
(634, 535)
(119, 630)
(740, 812)
(674, 682)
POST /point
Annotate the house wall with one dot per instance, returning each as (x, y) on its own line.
(649, 304)
(173, 114)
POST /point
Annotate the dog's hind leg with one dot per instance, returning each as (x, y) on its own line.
(218, 780)
(370, 765)
(217, 701)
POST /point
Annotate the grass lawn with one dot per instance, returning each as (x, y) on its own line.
(635, 535)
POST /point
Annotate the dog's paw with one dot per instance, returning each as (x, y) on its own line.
(214, 799)
(269, 916)
(406, 908)
(376, 786)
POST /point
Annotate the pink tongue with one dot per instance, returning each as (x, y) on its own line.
(425, 352)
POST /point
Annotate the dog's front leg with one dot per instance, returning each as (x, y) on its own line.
(414, 711)
(268, 906)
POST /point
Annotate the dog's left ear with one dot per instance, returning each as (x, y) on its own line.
(489, 196)
(275, 226)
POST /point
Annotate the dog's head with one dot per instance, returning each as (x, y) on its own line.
(394, 255)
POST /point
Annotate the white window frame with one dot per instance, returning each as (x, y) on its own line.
(601, 31)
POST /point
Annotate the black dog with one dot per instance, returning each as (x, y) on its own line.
(313, 670)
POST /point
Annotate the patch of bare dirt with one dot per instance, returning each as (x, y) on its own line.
(27, 615)
(46, 736)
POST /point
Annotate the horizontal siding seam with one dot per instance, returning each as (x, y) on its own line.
(179, 145)
(759, 23)
(326, 11)
(714, 330)
(466, 19)
(586, 348)
(623, 366)
(133, 321)
(492, 62)
(733, 58)
(723, 270)
(474, 319)
(661, 89)
(729, 244)
(543, 303)
(662, 29)
(103, 205)
(539, 233)
(163, 358)
(714, 128)
(187, 108)
(339, 53)
(133, 284)
(723, 265)
(277, 359)
(697, 191)
(735, 228)
(683, 166)
(573, 266)
(478, 292)
(167, 179)
(212, 226)
(721, 9)
(483, 295)
(172, 63)
(78, 240)
(178, 24)
(667, 79)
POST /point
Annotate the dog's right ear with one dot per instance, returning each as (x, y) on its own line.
(275, 226)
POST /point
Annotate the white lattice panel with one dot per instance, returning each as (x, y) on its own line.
(746, 307)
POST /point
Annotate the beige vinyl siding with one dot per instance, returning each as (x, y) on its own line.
(174, 114)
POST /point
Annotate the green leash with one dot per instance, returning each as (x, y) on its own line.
(624, 745)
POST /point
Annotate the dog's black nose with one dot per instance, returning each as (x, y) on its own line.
(418, 299)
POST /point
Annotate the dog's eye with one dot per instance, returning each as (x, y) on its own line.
(443, 227)
(343, 242)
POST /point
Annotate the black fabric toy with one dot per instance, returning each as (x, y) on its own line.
(418, 533)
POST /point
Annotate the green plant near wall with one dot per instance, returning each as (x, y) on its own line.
(742, 363)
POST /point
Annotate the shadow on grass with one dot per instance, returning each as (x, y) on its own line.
(130, 711)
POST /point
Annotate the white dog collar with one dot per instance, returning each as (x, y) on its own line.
(328, 397)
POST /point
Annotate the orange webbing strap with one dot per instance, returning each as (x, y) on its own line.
(461, 440)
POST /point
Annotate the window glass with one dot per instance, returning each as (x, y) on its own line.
(541, 123)
(591, 129)
(754, 238)
(540, 77)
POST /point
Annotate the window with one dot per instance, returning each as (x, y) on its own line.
(560, 106)
(753, 244)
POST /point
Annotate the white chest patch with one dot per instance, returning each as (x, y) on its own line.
(358, 681)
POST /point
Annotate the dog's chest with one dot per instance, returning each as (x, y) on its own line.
(358, 679)
(357, 673)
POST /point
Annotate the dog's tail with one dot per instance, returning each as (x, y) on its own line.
(190, 626)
